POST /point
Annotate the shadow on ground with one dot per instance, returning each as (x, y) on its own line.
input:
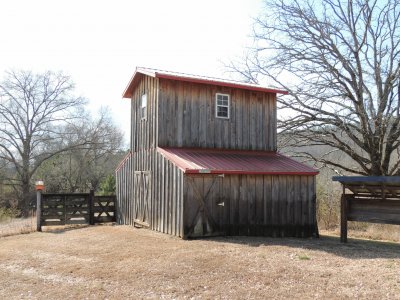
(354, 249)
(66, 228)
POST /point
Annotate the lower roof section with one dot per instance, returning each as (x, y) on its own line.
(218, 161)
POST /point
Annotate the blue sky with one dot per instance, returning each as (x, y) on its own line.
(99, 43)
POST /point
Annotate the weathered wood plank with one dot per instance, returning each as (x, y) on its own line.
(211, 118)
(243, 206)
(174, 199)
(163, 195)
(234, 199)
(259, 205)
(253, 115)
(304, 204)
(225, 204)
(238, 139)
(282, 204)
(290, 224)
(251, 204)
(246, 121)
(179, 115)
(267, 192)
(187, 98)
(208, 213)
(275, 206)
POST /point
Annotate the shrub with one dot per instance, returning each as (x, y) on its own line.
(328, 203)
(7, 214)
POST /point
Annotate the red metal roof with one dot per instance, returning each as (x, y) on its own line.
(194, 78)
(216, 161)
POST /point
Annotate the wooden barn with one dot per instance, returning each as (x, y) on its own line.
(204, 161)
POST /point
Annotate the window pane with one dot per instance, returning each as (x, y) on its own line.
(222, 111)
(222, 105)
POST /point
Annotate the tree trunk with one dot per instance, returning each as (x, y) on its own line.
(26, 198)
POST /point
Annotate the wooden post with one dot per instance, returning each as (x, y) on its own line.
(91, 207)
(343, 218)
(38, 210)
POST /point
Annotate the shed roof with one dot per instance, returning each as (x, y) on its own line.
(217, 161)
(195, 79)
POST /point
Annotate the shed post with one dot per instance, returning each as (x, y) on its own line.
(343, 217)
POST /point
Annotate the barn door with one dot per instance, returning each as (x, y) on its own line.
(206, 206)
(142, 198)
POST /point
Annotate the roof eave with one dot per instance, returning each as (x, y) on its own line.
(221, 83)
(232, 172)
(139, 72)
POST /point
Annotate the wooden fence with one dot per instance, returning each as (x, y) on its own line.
(374, 199)
(75, 208)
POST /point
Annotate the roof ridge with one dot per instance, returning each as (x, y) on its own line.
(202, 79)
(202, 76)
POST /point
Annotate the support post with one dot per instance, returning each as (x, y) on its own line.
(38, 210)
(91, 207)
(343, 218)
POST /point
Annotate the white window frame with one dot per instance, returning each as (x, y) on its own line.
(143, 108)
(219, 105)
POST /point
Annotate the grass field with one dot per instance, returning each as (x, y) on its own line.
(120, 262)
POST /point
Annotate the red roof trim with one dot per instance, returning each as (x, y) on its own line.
(195, 79)
(189, 171)
(123, 161)
(190, 167)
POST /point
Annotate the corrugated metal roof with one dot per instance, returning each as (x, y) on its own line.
(216, 161)
(193, 78)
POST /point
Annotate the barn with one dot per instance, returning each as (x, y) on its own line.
(204, 161)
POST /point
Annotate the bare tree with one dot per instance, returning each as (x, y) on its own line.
(83, 168)
(36, 112)
(340, 62)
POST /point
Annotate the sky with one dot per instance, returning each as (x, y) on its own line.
(100, 43)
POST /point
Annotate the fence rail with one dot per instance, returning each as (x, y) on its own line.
(75, 208)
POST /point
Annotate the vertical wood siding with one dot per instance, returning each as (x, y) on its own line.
(166, 192)
(167, 202)
(186, 114)
(257, 205)
(144, 131)
(124, 186)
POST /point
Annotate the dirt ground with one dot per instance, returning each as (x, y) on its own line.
(120, 262)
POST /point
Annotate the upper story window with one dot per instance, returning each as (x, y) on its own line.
(222, 102)
(143, 107)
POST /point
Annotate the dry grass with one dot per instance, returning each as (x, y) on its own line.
(119, 262)
(378, 232)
